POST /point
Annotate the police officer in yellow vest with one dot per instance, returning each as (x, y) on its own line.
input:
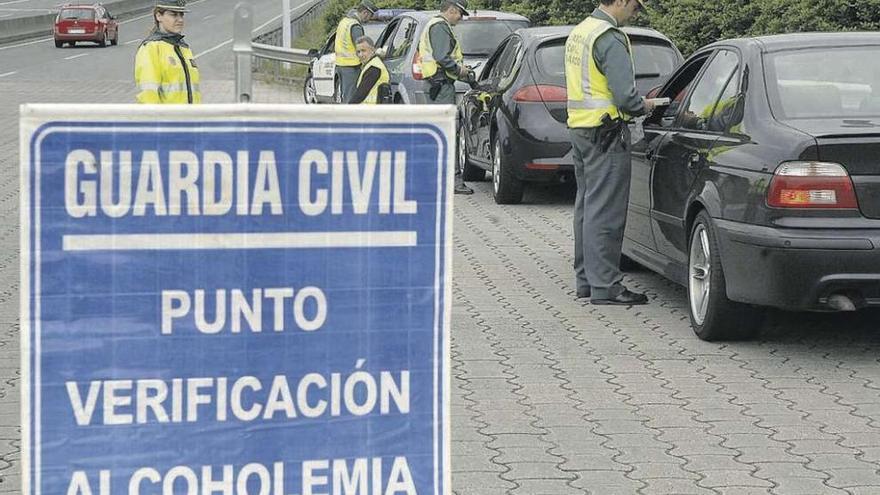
(165, 70)
(348, 66)
(442, 63)
(373, 73)
(600, 77)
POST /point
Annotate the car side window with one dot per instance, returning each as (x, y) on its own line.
(330, 46)
(489, 69)
(401, 40)
(676, 90)
(504, 64)
(708, 90)
(725, 109)
(512, 57)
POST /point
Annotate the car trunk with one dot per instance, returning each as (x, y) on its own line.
(855, 144)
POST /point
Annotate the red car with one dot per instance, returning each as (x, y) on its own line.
(85, 23)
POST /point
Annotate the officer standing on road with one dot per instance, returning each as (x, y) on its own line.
(348, 66)
(443, 62)
(373, 75)
(165, 70)
(600, 77)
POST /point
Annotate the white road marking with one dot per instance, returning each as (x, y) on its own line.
(133, 41)
(209, 17)
(76, 56)
(13, 1)
(258, 28)
(9, 73)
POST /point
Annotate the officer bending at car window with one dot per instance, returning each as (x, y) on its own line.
(600, 77)
(443, 63)
(348, 66)
(374, 75)
(164, 69)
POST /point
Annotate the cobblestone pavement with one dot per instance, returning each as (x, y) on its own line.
(554, 396)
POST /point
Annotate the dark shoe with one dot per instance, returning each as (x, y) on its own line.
(463, 189)
(583, 293)
(625, 298)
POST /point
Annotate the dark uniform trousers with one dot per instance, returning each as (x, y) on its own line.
(603, 181)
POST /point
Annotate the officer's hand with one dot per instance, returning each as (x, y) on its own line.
(463, 72)
(649, 105)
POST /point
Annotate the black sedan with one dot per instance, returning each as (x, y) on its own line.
(514, 123)
(759, 185)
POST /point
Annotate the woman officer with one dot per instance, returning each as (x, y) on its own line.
(164, 69)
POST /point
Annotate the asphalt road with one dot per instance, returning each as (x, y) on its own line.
(12, 9)
(549, 394)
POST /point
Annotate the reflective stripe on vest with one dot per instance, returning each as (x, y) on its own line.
(373, 96)
(426, 51)
(589, 96)
(346, 51)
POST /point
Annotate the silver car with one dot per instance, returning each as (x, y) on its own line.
(479, 35)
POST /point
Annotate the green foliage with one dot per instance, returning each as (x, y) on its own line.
(690, 23)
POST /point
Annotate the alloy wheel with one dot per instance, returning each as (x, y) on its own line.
(462, 151)
(699, 273)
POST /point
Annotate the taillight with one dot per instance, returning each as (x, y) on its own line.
(811, 185)
(541, 93)
(417, 66)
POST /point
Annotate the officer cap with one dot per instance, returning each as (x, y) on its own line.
(462, 6)
(368, 5)
(173, 5)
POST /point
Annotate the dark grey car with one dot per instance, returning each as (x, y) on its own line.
(479, 35)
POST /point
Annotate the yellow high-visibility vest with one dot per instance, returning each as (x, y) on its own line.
(160, 73)
(426, 51)
(589, 96)
(346, 50)
(373, 96)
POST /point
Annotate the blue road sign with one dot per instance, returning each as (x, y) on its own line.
(236, 301)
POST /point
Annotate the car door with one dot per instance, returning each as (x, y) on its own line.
(398, 44)
(497, 81)
(325, 68)
(639, 234)
(682, 156)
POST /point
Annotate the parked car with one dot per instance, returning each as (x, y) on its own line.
(85, 23)
(479, 35)
(514, 123)
(320, 85)
(760, 184)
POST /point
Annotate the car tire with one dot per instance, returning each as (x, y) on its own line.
(103, 42)
(713, 316)
(115, 40)
(309, 93)
(506, 188)
(59, 44)
(337, 91)
(469, 172)
(71, 43)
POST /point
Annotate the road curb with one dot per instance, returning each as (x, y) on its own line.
(23, 28)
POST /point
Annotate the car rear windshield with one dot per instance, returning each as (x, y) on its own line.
(479, 38)
(651, 59)
(832, 82)
(80, 14)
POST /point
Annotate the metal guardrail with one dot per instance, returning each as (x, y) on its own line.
(248, 48)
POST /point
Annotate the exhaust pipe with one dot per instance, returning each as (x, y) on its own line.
(840, 302)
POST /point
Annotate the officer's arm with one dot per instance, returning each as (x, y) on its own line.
(371, 76)
(613, 60)
(148, 73)
(356, 32)
(441, 46)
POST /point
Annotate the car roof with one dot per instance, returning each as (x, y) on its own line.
(563, 31)
(777, 42)
(422, 15)
(81, 6)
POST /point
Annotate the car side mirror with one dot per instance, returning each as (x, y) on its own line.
(313, 52)
(653, 92)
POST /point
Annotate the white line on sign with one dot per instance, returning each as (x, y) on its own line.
(255, 240)
(76, 56)
(9, 73)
